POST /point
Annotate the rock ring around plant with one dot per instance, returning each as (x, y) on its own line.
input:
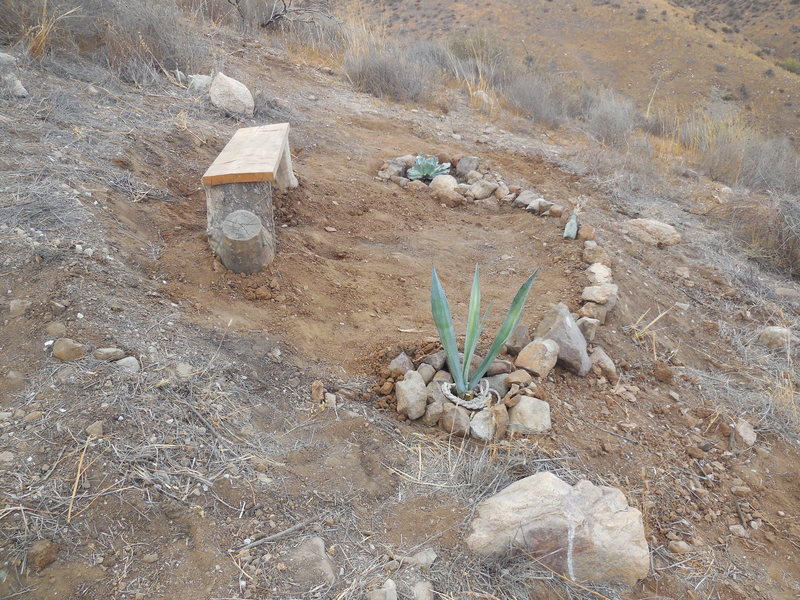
(482, 396)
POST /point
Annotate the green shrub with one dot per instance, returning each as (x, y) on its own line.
(792, 65)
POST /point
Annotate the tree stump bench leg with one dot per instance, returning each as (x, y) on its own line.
(241, 229)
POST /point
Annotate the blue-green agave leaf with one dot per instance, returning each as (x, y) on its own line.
(509, 324)
(443, 319)
(473, 323)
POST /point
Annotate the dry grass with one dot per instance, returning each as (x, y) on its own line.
(609, 117)
(384, 71)
(139, 40)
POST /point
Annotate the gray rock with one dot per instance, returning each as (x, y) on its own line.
(400, 365)
(498, 383)
(394, 168)
(500, 366)
(231, 96)
(483, 189)
(606, 294)
(745, 433)
(482, 425)
(423, 559)
(95, 429)
(524, 199)
(13, 85)
(454, 420)
(427, 372)
(519, 338)
(311, 564)
(66, 350)
(596, 254)
(129, 364)
(443, 377)
(7, 61)
(529, 416)
(401, 181)
(199, 84)
(595, 311)
(108, 354)
(444, 183)
(433, 412)
(467, 164)
(559, 326)
(473, 177)
(777, 338)
(652, 232)
(603, 365)
(387, 592)
(412, 395)
(435, 394)
(14, 381)
(437, 360)
(423, 590)
(539, 206)
(585, 532)
(599, 274)
(18, 308)
(588, 327)
(539, 357)
(56, 329)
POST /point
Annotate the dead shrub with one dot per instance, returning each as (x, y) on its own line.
(384, 71)
(733, 152)
(537, 97)
(608, 117)
(482, 59)
(769, 228)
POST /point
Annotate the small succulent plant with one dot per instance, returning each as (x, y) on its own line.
(464, 381)
(427, 167)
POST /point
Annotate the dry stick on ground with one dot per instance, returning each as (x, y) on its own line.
(78, 474)
(280, 534)
(619, 435)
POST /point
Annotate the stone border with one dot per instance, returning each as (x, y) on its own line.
(561, 338)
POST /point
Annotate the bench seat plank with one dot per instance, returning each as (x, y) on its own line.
(252, 154)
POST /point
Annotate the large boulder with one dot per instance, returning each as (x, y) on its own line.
(231, 95)
(653, 232)
(585, 532)
(559, 326)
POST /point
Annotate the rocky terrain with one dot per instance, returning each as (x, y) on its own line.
(170, 429)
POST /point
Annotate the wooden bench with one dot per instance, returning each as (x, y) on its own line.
(238, 186)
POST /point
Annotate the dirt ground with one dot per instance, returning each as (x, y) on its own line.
(216, 443)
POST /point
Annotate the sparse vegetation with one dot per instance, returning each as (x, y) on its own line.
(792, 65)
(137, 39)
(383, 70)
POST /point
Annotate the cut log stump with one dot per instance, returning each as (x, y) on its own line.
(238, 187)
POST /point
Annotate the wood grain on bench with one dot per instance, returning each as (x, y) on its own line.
(252, 154)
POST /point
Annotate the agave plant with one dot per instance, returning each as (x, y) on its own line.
(427, 167)
(464, 381)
